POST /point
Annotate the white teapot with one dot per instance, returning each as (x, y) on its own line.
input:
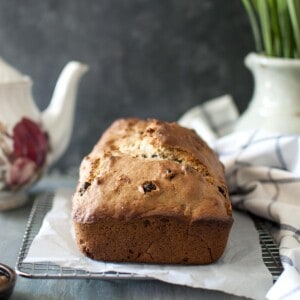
(31, 140)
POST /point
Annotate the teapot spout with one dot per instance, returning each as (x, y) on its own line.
(58, 117)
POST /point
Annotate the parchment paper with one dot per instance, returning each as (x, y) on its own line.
(240, 271)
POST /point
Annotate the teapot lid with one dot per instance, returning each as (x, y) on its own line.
(8, 74)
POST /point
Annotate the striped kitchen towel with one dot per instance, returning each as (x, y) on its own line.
(263, 176)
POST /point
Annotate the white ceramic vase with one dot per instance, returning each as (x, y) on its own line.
(275, 105)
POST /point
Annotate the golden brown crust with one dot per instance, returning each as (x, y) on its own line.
(163, 240)
(141, 170)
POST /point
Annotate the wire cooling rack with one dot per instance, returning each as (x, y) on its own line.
(269, 249)
(43, 203)
(41, 206)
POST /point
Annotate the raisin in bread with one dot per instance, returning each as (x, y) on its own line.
(152, 192)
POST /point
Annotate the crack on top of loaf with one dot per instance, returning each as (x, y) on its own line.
(146, 140)
(141, 148)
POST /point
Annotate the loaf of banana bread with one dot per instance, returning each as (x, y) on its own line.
(151, 192)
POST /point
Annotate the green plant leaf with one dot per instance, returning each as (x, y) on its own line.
(265, 23)
(254, 24)
(285, 28)
(276, 26)
(275, 30)
(294, 10)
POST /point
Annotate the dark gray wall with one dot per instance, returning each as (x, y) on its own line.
(147, 58)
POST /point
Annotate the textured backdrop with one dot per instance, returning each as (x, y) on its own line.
(147, 58)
